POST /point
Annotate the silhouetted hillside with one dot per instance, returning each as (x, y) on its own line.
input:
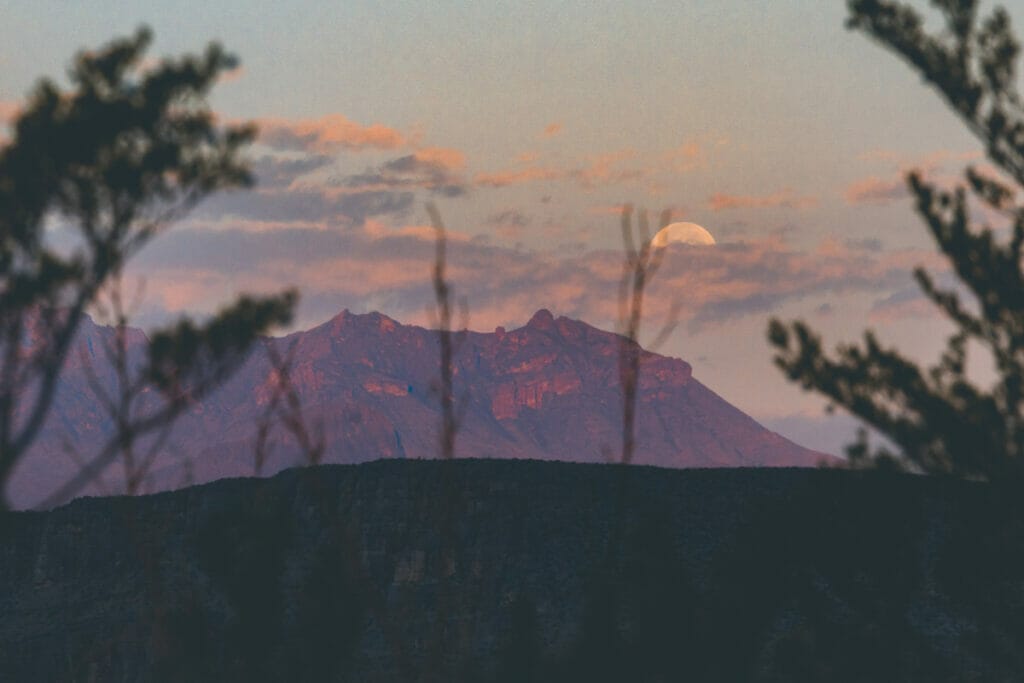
(551, 571)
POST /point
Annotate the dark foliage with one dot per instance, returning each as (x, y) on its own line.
(640, 609)
(940, 421)
(112, 161)
(272, 614)
(724, 575)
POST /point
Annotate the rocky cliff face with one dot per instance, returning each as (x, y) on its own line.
(521, 571)
(548, 390)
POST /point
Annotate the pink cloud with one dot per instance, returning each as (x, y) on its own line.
(377, 230)
(9, 110)
(517, 177)
(875, 190)
(675, 212)
(441, 157)
(605, 169)
(879, 155)
(930, 161)
(181, 290)
(902, 305)
(509, 223)
(436, 169)
(328, 134)
(783, 199)
(601, 169)
(607, 210)
(388, 269)
(365, 279)
(256, 225)
(885, 189)
(552, 129)
(686, 157)
(233, 75)
(940, 157)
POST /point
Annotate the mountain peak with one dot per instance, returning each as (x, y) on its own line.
(542, 320)
(347, 320)
(550, 390)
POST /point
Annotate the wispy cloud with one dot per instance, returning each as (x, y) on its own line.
(293, 207)
(905, 303)
(930, 161)
(943, 157)
(872, 244)
(517, 176)
(294, 191)
(327, 134)
(377, 230)
(884, 189)
(686, 157)
(785, 199)
(607, 169)
(676, 213)
(441, 157)
(603, 169)
(276, 172)
(509, 223)
(233, 75)
(377, 266)
(607, 209)
(510, 217)
(875, 190)
(8, 110)
(433, 169)
(626, 166)
(552, 129)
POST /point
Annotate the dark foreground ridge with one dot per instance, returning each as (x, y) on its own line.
(547, 571)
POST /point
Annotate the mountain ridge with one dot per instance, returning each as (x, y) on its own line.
(548, 390)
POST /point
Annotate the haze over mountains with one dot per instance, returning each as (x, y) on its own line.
(548, 390)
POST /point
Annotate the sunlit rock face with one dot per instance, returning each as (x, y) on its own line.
(369, 385)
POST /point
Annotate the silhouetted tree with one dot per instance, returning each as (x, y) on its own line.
(443, 314)
(112, 161)
(940, 421)
(122, 399)
(445, 634)
(286, 405)
(642, 261)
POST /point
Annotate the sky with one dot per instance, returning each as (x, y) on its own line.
(530, 124)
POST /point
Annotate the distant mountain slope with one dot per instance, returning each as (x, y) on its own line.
(549, 390)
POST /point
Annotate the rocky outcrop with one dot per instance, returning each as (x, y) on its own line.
(548, 390)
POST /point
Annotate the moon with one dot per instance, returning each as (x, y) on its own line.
(687, 233)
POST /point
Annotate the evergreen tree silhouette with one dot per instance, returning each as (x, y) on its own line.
(940, 421)
(114, 160)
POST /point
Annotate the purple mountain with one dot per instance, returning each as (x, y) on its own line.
(548, 390)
